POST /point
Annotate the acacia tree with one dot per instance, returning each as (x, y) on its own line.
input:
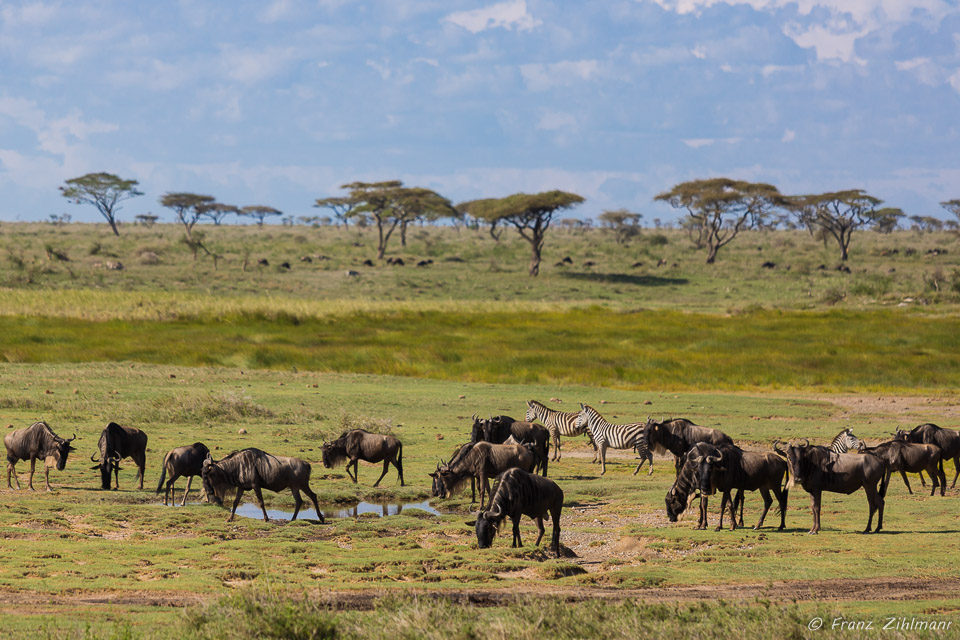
(342, 207)
(625, 224)
(837, 214)
(530, 214)
(105, 191)
(719, 208)
(476, 209)
(217, 211)
(953, 206)
(888, 218)
(259, 212)
(187, 206)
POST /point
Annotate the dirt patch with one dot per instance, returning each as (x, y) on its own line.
(908, 409)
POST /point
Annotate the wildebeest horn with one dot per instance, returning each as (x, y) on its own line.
(115, 458)
(92, 459)
(806, 442)
(495, 514)
(698, 460)
(714, 459)
(777, 449)
(475, 417)
(73, 438)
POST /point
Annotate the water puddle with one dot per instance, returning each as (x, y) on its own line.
(251, 510)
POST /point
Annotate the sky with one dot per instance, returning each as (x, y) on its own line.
(281, 102)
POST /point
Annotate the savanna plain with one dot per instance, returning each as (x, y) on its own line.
(770, 342)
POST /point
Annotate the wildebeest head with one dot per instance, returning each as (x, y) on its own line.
(106, 465)
(487, 526)
(707, 468)
(901, 435)
(211, 481)
(436, 490)
(796, 459)
(476, 431)
(333, 452)
(63, 449)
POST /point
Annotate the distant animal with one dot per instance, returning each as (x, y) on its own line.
(845, 441)
(558, 423)
(482, 462)
(184, 461)
(817, 469)
(367, 263)
(607, 435)
(255, 469)
(424, 263)
(498, 428)
(521, 494)
(567, 260)
(636, 264)
(678, 435)
(36, 441)
(358, 444)
(661, 262)
(306, 259)
(398, 262)
(732, 468)
(769, 265)
(285, 265)
(115, 444)
(898, 455)
(263, 262)
(947, 439)
(589, 263)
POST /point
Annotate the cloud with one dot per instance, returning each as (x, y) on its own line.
(955, 81)
(276, 11)
(557, 121)
(830, 42)
(252, 66)
(789, 136)
(505, 15)
(696, 143)
(30, 14)
(539, 77)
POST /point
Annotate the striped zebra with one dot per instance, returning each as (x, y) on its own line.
(614, 436)
(846, 441)
(558, 423)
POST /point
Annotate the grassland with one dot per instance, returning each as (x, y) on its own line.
(187, 351)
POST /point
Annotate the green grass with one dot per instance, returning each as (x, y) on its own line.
(835, 351)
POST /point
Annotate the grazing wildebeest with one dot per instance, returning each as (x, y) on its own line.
(685, 485)
(614, 436)
(817, 469)
(36, 441)
(482, 462)
(901, 456)
(558, 423)
(733, 468)
(116, 443)
(183, 461)
(497, 429)
(437, 490)
(357, 445)
(521, 494)
(256, 469)
(679, 435)
(947, 439)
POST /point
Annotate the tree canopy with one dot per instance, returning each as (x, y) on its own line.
(105, 191)
(259, 212)
(625, 224)
(719, 208)
(953, 206)
(187, 206)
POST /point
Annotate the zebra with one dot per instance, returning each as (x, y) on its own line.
(846, 441)
(558, 423)
(616, 436)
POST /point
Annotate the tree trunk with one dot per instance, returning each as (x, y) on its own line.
(712, 254)
(113, 224)
(403, 234)
(536, 247)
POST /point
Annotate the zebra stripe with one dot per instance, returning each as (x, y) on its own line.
(605, 434)
(558, 423)
(846, 441)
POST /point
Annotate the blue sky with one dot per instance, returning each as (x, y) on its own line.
(279, 103)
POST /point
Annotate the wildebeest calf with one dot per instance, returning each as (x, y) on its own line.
(359, 444)
(521, 494)
(183, 461)
(256, 469)
(36, 441)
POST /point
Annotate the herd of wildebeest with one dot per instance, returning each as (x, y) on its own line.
(516, 454)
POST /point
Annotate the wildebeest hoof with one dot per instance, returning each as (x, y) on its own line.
(718, 528)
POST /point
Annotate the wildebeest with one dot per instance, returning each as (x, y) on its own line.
(947, 439)
(184, 461)
(817, 469)
(732, 468)
(679, 435)
(358, 444)
(901, 456)
(521, 494)
(116, 443)
(497, 429)
(482, 462)
(36, 441)
(686, 486)
(437, 490)
(255, 469)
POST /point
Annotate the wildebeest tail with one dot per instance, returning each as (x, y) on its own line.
(163, 473)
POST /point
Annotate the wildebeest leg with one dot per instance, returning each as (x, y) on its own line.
(782, 501)
(702, 522)
(485, 490)
(185, 492)
(116, 477)
(555, 434)
(313, 498)
(12, 469)
(724, 498)
(956, 464)
(932, 470)
(46, 476)
(297, 503)
(259, 494)
(923, 482)
(881, 501)
(516, 531)
(942, 476)
(815, 507)
(903, 474)
(386, 466)
(353, 476)
(473, 489)
(141, 470)
(555, 542)
(767, 501)
(540, 529)
(33, 464)
(236, 502)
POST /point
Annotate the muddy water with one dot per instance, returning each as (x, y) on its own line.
(251, 510)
